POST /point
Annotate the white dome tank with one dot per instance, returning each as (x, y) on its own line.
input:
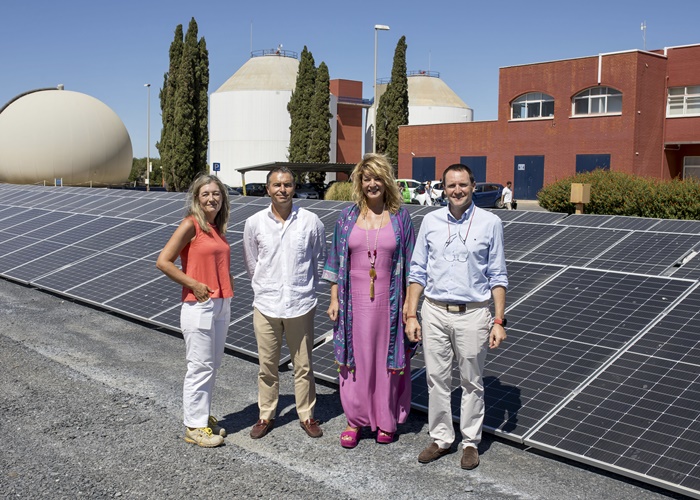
(58, 134)
(249, 122)
(430, 101)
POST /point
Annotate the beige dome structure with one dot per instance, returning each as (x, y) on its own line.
(430, 101)
(58, 134)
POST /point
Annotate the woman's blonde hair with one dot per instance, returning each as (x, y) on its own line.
(376, 165)
(195, 209)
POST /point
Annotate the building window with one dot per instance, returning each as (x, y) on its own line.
(532, 105)
(691, 167)
(683, 101)
(598, 101)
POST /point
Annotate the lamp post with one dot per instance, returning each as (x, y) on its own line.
(148, 139)
(377, 27)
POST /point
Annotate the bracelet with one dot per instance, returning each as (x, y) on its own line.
(409, 317)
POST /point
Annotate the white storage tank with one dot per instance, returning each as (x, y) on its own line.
(430, 101)
(248, 117)
(52, 134)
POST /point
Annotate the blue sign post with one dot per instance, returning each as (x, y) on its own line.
(217, 167)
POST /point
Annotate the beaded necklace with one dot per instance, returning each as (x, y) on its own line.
(372, 255)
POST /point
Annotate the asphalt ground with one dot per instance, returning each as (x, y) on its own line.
(90, 407)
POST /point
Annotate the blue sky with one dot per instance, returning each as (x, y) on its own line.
(110, 49)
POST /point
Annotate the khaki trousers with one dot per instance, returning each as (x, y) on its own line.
(463, 336)
(299, 332)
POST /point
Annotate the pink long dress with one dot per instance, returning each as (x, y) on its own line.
(371, 395)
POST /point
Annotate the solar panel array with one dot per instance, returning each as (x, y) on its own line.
(602, 361)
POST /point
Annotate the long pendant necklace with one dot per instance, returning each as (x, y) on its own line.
(372, 255)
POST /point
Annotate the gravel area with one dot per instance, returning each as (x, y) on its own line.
(91, 407)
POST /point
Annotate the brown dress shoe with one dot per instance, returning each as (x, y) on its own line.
(311, 427)
(432, 452)
(261, 428)
(470, 458)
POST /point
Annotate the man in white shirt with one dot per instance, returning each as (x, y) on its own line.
(507, 196)
(283, 246)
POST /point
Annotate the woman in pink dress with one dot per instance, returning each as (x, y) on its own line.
(367, 267)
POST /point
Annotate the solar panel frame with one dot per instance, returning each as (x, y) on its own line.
(645, 252)
(576, 246)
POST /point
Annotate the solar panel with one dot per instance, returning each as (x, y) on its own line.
(575, 246)
(26, 254)
(639, 417)
(678, 226)
(84, 270)
(582, 342)
(633, 223)
(520, 239)
(586, 220)
(69, 221)
(47, 263)
(539, 217)
(509, 215)
(114, 282)
(690, 269)
(324, 362)
(564, 331)
(646, 252)
(524, 277)
(148, 299)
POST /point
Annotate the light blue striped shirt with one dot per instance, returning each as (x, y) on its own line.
(457, 263)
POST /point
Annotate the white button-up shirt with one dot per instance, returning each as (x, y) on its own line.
(282, 259)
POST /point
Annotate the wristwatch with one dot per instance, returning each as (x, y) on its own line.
(503, 322)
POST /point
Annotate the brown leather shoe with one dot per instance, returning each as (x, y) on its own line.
(470, 458)
(311, 427)
(261, 428)
(432, 452)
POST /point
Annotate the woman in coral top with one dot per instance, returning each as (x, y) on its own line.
(207, 288)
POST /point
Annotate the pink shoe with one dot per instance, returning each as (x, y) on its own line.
(349, 439)
(385, 437)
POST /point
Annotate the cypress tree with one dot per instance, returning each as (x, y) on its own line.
(299, 107)
(184, 105)
(320, 130)
(392, 111)
(167, 103)
(202, 107)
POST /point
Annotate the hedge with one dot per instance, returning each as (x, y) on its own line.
(617, 193)
(339, 191)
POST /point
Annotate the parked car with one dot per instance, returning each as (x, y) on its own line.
(486, 195)
(255, 189)
(407, 188)
(233, 191)
(421, 195)
(306, 192)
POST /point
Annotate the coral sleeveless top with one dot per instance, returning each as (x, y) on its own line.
(207, 259)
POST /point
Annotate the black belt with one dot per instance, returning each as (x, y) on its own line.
(456, 308)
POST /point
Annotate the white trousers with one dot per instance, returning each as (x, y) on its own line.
(204, 326)
(465, 337)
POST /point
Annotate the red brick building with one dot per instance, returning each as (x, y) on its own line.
(635, 111)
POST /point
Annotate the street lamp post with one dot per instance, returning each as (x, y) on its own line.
(377, 27)
(148, 139)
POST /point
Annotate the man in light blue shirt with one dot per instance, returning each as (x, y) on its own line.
(459, 263)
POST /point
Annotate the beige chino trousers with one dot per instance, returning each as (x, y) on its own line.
(463, 336)
(299, 333)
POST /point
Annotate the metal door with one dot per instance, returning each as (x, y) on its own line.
(528, 177)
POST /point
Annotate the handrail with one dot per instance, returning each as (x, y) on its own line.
(420, 72)
(274, 52)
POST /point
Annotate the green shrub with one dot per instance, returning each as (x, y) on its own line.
(617, 193)
(339, 191)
